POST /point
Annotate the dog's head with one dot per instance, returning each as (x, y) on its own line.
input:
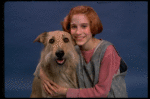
(42, 38)
(59, 47)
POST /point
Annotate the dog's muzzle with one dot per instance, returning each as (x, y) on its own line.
(60, 60)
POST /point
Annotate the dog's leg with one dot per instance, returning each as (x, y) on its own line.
(36, 88)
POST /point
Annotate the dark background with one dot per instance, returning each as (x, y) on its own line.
(125, 25)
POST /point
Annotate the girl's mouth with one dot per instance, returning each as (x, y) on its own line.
(79, 38)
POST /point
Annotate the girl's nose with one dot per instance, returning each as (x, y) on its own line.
(78, 31)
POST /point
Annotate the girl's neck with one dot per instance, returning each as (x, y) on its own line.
(91, 44)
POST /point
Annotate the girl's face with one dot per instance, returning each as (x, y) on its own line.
(80, 29)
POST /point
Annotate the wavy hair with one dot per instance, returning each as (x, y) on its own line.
(96, 26)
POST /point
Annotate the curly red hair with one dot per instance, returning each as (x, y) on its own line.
(96, 26)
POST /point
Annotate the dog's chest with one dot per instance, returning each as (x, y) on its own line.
(64, 81)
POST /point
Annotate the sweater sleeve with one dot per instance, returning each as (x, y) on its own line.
(109, 66)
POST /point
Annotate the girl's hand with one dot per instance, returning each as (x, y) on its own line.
(50, 87)
(53, 89)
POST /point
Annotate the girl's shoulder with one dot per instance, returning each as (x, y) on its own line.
(108, 46)
(105, 42)
(103, 45)
(103, 48)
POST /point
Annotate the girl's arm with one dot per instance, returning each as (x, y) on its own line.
(109, 66)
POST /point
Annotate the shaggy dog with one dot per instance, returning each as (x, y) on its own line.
(58, 60)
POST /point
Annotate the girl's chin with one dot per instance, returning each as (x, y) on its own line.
(80, 43)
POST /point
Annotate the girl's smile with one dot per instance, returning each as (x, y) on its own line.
(79, 38)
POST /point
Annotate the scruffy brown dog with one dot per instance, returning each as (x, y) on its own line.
(58, 60)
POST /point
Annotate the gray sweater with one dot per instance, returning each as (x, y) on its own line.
(88, 74)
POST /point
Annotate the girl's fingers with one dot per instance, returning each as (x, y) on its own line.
(53, 83)
(47, 89)
(50, 86)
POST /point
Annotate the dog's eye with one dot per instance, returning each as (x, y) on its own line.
(51, 41)
(66, 40)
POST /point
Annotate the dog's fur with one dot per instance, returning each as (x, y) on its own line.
(58, 45)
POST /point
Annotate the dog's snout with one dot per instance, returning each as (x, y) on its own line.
(60, 54)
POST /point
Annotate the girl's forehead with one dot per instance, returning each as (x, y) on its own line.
(79, 18)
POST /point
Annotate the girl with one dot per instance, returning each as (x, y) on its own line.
(101, 70)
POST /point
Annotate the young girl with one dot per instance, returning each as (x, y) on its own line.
(101, 70)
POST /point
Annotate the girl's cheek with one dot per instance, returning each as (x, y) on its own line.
(72, 32)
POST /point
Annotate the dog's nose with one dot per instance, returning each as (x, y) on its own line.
(60, 54)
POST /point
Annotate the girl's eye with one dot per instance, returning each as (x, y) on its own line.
(73, 26)
(83, 26)
(51, 41)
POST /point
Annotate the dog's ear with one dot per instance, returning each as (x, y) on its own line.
(41, 38)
